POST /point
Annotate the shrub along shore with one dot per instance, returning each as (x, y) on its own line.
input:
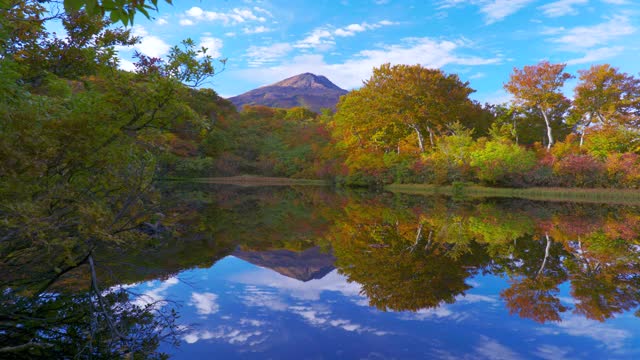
(457, 190)
(617, 196)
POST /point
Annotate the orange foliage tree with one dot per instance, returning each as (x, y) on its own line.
(540, 87)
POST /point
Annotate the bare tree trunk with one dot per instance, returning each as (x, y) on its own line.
(420, 138)
(418, 238)
(419, 234)
(584, 129)
(546, 254)
(549, 133)
(431, 136)
(428, 240)
(105, 310)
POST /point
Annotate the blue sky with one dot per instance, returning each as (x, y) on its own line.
(481, 40)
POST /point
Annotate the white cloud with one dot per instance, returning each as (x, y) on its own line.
(260, 55)
(149, 45)
(256, 30)
(155, 297)
(493, 350)
(552, 352)
(126, 65)
(195, 12)
(227, 334)
(494, 10)
(320, 39)
(205, 303)
(233, 17)
(321, 317)
(252, 322)
(497, 10)
(596, 55)
(582, 37)
(256, 297)
(230, 34)
(475, 298)
(430, 313)
(323, 38)
(263, 11)
(617, 2)
(350, 73)
(445, 4)
(186, 22)
(309, 290)
(312, 316)
(552, 30)
(352, 29)
(562, 7)
(575, 325)
(162, 21)
(212, 44)
(445, 310)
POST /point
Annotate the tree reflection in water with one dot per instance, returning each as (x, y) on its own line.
(408, 253)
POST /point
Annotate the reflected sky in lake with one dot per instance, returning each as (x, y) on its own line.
(308, 273)
(238, 310)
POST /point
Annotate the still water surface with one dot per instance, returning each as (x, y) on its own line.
(310, 273)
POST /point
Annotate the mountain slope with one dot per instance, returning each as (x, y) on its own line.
(312, 91)
(304, 266)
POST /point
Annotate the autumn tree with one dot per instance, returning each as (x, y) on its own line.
(540, 87)
(404, 261)
(604, 96)
(402, 99)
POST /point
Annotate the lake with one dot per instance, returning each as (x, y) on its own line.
(312, 273)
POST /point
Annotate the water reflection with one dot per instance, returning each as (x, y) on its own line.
(308, 272)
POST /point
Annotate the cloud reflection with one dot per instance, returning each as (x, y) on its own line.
(156, 297)
(309, 290)
(205, 303)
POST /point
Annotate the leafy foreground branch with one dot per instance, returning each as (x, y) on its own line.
(80, 143)
(89, 324)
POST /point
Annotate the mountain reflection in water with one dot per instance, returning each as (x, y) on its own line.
(312, 273)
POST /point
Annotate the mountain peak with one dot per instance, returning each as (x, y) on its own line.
(306, 81)
(309, 90)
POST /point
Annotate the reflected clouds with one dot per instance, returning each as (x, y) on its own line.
(309, 290)
(156, 297)
(611, 337)
(205, 303)
(491, 349)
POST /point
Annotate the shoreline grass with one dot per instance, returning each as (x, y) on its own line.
(254, 180)
(617, 196)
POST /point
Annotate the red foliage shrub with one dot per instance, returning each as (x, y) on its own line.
(580, 170)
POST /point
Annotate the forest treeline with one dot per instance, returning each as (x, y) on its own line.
(406, 124)
(410, 124)
(82, 142)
